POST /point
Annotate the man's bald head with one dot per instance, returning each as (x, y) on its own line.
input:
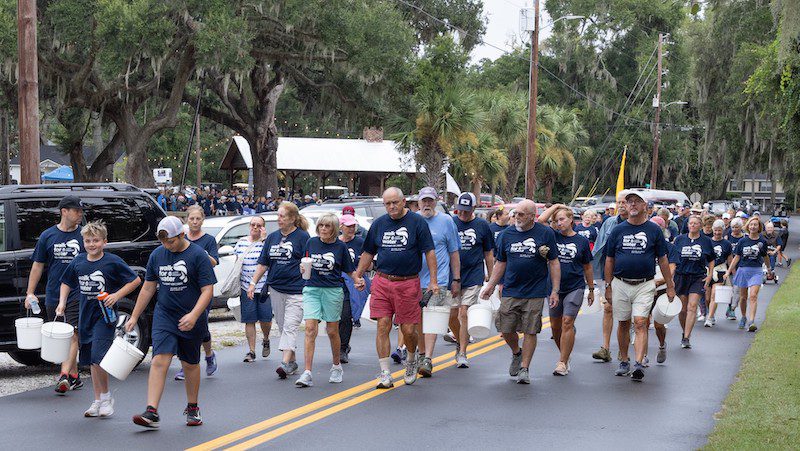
(525, 213)
(395, 202)
(393, 192)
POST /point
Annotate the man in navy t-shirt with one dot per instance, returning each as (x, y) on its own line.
(55, 250)
(631, 251)
(527, 263)
(181, 273)
(398, 239)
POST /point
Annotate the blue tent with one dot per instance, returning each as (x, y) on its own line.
(62, 174)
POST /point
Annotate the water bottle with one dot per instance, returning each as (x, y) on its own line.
(109, 315)
(35, 309)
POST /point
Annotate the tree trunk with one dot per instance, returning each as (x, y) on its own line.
(102, 168)
(476, 188)
(434, 163)
(548, 190)
(137, 170)
(78, 162)
(512, 175)
(494, 192)
(265, 163)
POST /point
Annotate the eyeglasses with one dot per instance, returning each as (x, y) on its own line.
(257, 226)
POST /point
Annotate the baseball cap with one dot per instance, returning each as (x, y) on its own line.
(629, 193)
(348, 220)
(428, 193)
(660, 221)
(739, 214)
(697, 208)
(172, 225)
(348, 210)
(756, 213)
(726, 216)
(70, 202)
(466, 202)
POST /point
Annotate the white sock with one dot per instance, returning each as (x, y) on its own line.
(384, 363)
(338, 367)
(105, 396)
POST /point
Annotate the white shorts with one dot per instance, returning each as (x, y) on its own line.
(469, 296)
(631, 300)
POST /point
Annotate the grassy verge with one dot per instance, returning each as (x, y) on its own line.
(762, 411)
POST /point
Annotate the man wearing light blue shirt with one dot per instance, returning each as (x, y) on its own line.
(448, 271)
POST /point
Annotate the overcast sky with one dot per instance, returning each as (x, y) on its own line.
(503, 27)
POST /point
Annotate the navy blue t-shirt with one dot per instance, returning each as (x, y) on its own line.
(476, 238)
(695, 254)
(751, 252)
(673, 257)
(56, 249)
(733, 240)
(635, 249)
(209, 244)
(330, 261)
(573, 253)
(282, 254)
(588, 232)
(496, 229)
(355, 247)
(89, 278)
(722, 250)
(399, 244)
(180, 276)
(527, 273)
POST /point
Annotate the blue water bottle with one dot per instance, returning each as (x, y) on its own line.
(109, 315)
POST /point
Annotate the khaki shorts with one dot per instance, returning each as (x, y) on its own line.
(520, 315)
(469, 296)
(631, 300)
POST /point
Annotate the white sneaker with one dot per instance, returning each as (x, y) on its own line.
(305, 380)
(701, 318)
(708, 323)
(107, 407)
(336, 375)
(93, 410)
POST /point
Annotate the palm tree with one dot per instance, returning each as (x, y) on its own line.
(561, 138)
(440, 121)
(482, 161)
(508, 121)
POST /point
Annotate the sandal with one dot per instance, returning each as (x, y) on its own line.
(250, 357)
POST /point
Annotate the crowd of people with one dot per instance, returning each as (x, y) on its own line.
(233, 201)
(408, 260)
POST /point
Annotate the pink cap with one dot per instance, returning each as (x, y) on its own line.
(660, 221)
(348, 220)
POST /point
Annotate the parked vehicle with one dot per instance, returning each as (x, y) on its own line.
(486, 200)
(368, 209)
(131, 217)
(720, 206)
(661, 196)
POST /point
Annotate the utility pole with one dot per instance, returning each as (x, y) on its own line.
(5, 149)
(530, 160)
(197, 151)
(28, 121)
(657, 105)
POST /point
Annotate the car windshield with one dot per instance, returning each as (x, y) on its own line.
(213, 231)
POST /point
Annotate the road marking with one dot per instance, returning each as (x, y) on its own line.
(324, 402)
(271, 435)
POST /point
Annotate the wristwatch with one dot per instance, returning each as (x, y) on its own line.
(455, 280)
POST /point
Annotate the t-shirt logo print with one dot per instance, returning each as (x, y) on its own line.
(635, 242)
(567, 251)
(66, 251)
(352, 254)
(323, 262)
(585, 233)
(529, 245)
(395, 238)
(718, 251)
(174, 275)
(751, 251)
(92, 283)
(468, 238)
(282, 250)
(694, 251)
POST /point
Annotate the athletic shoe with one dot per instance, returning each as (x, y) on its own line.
(449, 337)
(193, 417)
(211, 364)
(403, 354)
(75, 383)
(426, 368)
(788, 262)
(265, 350)
(107, 407)
(250, 357)
(397, 356)
(284, 370)
(93, 410)
(603, 354)
(701, 318)
(730, 314)
(708, 323)
(411, 373)
(461, 361)
(148, 419)
(561, 369)
(713, 321)
(742, 322)
(180, 376)
(779, 264)
(516, 364)
(385, 380)
(344, 355)
(685, 343)
(336, 375)
(523, 377)
(62, 386)
(624, 369)
(752, 327)
(646, 362)
(305, 379)
(638, 372)
(662, 354)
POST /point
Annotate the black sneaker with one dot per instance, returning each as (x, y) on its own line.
(344, 355)
(62, 386)
(685, 344)
(75, 383)
(148, 419)
(193, 417)
(638, 372)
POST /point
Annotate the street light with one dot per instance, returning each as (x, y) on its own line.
(533, 88)
(679, 102)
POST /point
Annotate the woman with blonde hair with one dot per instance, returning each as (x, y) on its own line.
(281, 254)
(748, 256)
(723, 251)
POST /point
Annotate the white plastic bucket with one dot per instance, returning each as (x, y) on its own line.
(56, 340)
(235, 306)
(29, 332)
(479, 320)
(121, 358)
(723, 294)
(435, 320)
(665, 311)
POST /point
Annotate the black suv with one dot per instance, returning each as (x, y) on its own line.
(130, 215)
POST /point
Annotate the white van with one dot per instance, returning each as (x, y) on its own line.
(664, 197)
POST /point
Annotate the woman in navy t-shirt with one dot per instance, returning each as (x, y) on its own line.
(692, 273)
(587, 227)
(748, 256)
(722, 258)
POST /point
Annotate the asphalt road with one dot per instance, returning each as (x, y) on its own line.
(246, 406)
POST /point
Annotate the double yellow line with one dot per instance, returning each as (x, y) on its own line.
(440, 363)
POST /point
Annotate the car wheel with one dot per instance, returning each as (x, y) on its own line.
(140, 335)
(27, 358)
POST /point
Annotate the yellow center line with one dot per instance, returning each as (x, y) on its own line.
(271, 435)
(324, 402)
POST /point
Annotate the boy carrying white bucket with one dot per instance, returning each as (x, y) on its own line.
(95, 272)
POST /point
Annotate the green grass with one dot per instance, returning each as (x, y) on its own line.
(762, 411)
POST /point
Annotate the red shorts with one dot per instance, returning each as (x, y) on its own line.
(400, 299)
